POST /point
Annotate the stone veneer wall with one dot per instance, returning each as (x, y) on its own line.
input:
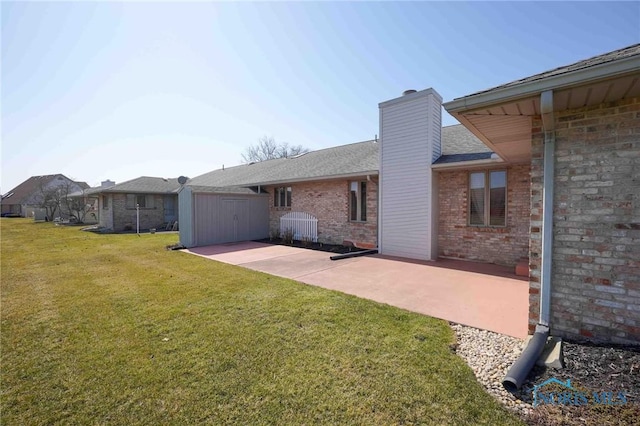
(596, 253)
(328, 201)
(501, 245)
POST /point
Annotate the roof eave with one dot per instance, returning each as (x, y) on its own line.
(319, 178)
(138, 191)
(306, 179)
(533, 88)
(468, 164)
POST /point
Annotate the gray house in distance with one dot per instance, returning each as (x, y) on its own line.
(28, 197)
(157, 199)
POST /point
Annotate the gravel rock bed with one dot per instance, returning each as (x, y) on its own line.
(490, 355)
(596, 368)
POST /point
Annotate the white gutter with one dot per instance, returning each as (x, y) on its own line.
(296, 180)
(466, 164)
(548, 124)
(316, 179)
(533, 88)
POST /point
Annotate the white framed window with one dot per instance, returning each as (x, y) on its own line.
(358, 201)
(282, 196)
(488, 198)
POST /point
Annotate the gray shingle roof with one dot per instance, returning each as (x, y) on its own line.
(352, 159)
(459, 158)
(146, 185)
(625, 52)
(345, 160)
(25, 191)
(459, 140)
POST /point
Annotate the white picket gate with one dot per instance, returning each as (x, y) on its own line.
(303, 225)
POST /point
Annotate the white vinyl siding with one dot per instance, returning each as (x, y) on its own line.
(410, 140)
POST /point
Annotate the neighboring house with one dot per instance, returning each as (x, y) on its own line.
(90, 198)
(31, 195)
(578, 128)
(152, 200)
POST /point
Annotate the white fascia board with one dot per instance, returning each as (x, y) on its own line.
(316, 179)
(554, 82)
(468, 164)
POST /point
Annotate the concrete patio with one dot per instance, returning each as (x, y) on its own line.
(485, 296)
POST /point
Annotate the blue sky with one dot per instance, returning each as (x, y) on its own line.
(118, 90)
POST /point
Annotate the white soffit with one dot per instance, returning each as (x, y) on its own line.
(507, 136)
(506, 126)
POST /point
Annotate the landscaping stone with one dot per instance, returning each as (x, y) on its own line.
(490, 355)
(597, 368)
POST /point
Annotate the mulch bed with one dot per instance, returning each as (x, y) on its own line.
(331, 248)
(591, 368)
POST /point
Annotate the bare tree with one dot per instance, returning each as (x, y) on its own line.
(55, 201)
(50, 199)
(77, 205)
(267, 149)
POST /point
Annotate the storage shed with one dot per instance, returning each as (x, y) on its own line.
(211, 215)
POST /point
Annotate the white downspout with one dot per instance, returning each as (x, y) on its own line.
(520, 369)
(548, 125)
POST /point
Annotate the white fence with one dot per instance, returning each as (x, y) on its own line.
(303, 225)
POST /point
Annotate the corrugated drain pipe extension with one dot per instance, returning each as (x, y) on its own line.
(354, 254)
(519, 371)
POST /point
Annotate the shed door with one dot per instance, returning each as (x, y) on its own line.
(233, 220)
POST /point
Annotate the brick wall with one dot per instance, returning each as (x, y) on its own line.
(328, 201)
(596, 253)
(125, 218)
(501, 245)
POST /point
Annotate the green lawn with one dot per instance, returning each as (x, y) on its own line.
(115, 329)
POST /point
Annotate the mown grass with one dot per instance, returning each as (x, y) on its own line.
(114, 329)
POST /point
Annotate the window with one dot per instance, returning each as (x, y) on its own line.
(488, 198)
(105, 202)
(358, 201)
(282, 196)
(142, 201)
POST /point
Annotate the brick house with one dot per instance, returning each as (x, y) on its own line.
(475, 191)
(157, 199)
(336, 186)
(578, 129)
